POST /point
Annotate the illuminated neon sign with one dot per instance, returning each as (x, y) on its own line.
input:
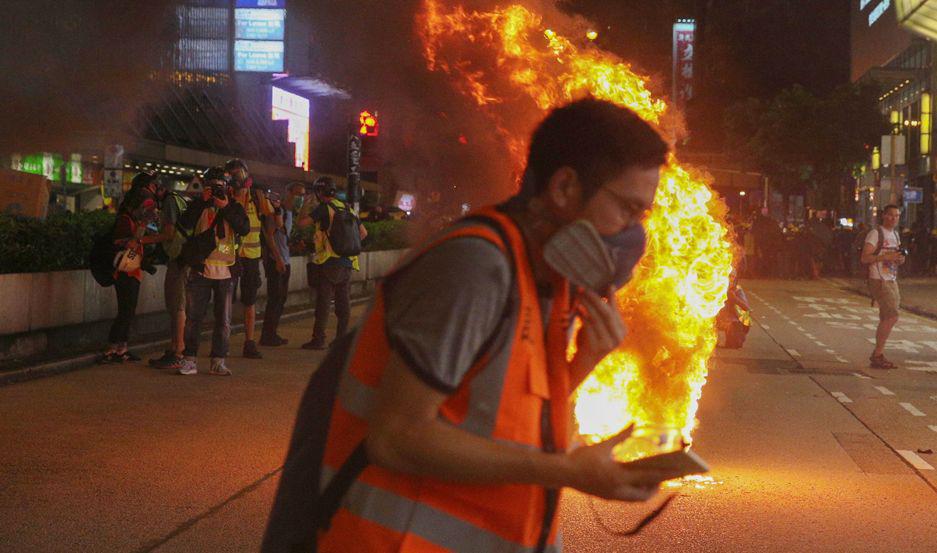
(294, 110)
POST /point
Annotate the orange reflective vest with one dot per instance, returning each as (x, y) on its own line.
(517, 394)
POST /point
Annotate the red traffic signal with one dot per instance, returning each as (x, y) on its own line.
(367, 123)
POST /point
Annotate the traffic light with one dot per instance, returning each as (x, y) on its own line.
(367, 123)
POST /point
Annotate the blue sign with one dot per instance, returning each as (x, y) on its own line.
(260, 56)
(255, 24)
(261, 4)
(913, 195)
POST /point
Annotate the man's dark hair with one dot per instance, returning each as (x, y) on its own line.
(890, 206)
(597, 139)
(325, 186)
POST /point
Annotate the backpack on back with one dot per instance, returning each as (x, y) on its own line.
(344, 234)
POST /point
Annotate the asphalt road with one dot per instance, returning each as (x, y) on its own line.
(811, 450)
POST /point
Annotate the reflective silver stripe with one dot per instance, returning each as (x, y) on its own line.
(354, 396)
(407, 516)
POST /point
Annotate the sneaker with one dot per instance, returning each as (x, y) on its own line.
(250, 350)
(109, 358)
(314, 345)
(187, 367)
(170, 362)
(879, 362)
(158, 361)
(218, 367)
(127, 356)
(273, 342)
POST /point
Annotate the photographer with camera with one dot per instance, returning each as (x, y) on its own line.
(218, 221)
(883, 254)
(136, 211)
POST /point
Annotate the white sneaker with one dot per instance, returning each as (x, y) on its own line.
(218, 367)
(188, 367)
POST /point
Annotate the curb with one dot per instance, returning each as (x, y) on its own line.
(87, 360)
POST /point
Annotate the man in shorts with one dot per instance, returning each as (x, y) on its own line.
(882, 253)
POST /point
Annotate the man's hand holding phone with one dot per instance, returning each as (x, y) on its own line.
(596, 472)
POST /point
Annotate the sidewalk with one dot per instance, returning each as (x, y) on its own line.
(918, 295)
(130, 458)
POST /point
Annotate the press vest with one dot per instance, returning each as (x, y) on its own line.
(323, 247)
(516, 393)
(225, 246)
(250, 245)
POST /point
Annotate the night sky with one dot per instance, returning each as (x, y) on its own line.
(747, 48)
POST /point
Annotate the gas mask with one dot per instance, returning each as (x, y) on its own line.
(588, 260)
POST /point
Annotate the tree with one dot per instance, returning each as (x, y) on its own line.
(805, 143)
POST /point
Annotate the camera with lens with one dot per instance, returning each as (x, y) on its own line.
(219, 191)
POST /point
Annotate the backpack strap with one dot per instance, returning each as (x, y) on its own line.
(331, 497)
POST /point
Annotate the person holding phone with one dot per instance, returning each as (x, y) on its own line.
(453, 403)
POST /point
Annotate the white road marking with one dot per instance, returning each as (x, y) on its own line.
(860, 375)
(841, 397)
(793, 352)
(924, 366)
(830, 351)
(912, 409)
(914, 459)
(885, 391)
(821, 344)
(933, 427)
(766, 327)
(842, 360)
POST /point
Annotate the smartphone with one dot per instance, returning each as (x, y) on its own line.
(668, 466)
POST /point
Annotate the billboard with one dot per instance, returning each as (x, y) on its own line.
(261, 56)
(261, 4)
(293, 109)
(875, 34)
(258, 24)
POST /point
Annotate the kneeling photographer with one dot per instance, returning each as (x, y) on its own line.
(219, 222)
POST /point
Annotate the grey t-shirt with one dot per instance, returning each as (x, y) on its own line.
(442, 308)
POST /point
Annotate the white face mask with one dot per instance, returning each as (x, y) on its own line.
(595, 262)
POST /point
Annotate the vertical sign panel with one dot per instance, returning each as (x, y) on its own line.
(295, 110)
(684, 34)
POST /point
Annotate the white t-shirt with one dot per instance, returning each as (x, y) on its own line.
(884, 270)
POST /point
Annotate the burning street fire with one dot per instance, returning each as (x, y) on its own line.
(506, 59)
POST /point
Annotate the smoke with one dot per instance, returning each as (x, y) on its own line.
(433, 137)
(73, 67)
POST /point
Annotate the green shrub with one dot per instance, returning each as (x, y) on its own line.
(383, 235)
(60, 242)
(63, 241)
(387, 235)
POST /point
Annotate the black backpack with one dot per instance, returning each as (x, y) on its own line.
(301, 508)
(101, 257)
(344, 234)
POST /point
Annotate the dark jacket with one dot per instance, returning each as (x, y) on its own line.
(233, 214)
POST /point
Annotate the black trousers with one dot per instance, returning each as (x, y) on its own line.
(331, 281)
(128, 293)
(278, 287)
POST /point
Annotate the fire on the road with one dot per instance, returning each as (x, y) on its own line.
(506, 59)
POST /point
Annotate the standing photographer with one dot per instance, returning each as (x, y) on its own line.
(218, 221)
(133, 215)
(883, 254)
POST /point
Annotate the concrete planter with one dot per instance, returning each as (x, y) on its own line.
(31, 302)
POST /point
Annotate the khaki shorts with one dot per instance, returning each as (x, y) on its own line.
(886, 295)
(174, 286)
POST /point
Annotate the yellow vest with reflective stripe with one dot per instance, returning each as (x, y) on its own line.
(324, 250)
(250, 245)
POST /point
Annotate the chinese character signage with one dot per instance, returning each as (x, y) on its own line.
(684, 33)
(253, 24)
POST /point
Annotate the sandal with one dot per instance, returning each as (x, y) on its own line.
(879, 362)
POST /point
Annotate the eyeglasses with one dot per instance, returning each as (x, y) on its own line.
(632, 206)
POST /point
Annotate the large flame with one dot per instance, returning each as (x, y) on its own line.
(507, 58)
